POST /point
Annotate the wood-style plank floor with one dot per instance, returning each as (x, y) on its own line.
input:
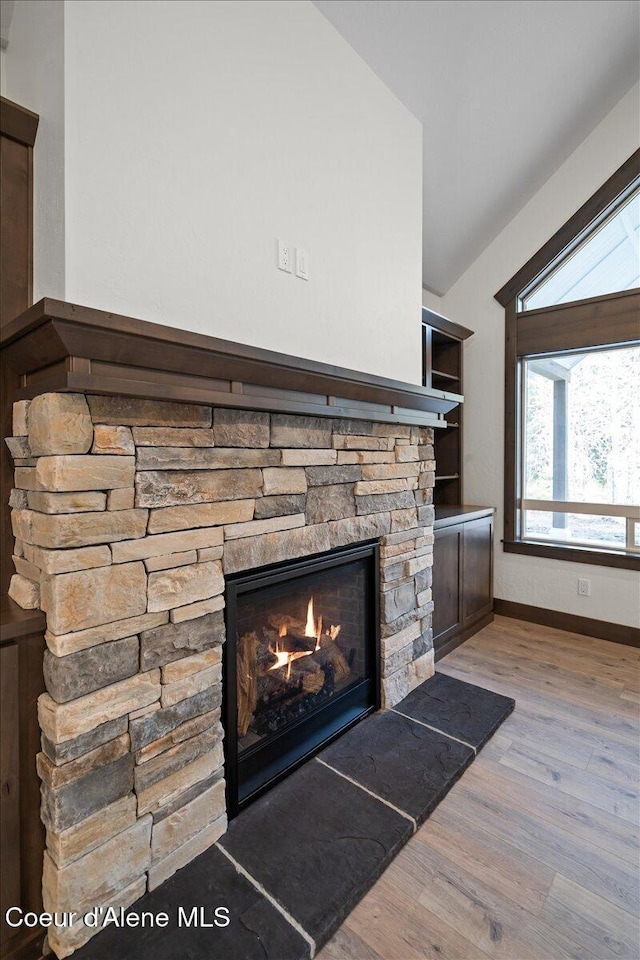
(534, 853)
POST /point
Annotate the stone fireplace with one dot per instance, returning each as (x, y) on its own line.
(128, 515)
(185, 509)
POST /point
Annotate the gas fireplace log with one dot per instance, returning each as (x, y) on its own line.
(272, 686)
(306, 675)
(313, 682)
(292, 624)
(247, 680)
(330, 652)
(309, 671)
(305, 665)
(292, 641)
(295, 629)
(265, 656)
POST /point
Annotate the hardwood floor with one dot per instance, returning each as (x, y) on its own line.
(534, 853)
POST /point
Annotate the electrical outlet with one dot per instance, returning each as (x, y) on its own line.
(584, 588)
(284, 256)
(302, 263)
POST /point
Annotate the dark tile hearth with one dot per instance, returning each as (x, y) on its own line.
(257, 930)
(317, 842)
(401, 761)
(458, 709)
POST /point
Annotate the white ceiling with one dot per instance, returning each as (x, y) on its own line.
(505, 90)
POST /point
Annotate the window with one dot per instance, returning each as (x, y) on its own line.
(581, 446)
(572, 401)
(605, 262)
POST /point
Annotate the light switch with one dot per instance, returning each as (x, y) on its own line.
(302, 263)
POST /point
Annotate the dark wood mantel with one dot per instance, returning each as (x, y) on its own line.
(58, 346)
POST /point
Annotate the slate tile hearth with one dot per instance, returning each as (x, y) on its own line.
(401, 761)
(459, 709)
(318, 841)
(257, 930)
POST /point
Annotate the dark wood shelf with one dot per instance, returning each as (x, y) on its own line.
(444, 376)
(442, 367)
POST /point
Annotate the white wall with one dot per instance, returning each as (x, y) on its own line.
(615, 594)
(199, 132)
(33, 76)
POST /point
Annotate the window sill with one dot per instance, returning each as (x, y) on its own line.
(556, 551)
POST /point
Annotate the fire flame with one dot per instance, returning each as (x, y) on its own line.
(310, 628)
(285, 658)
(313, 630)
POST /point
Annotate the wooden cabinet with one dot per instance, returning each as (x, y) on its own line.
(462, 574)
(21, 830)
(442, 368)
(21, 631)
(447, 584)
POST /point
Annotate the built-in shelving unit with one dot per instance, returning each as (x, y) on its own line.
(463, 547)
(442, 343)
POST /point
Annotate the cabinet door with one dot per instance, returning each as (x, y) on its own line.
(447, 583)
(9, 787)
(477, 569)
(21, 829)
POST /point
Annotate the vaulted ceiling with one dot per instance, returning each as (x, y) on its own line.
(505, 90)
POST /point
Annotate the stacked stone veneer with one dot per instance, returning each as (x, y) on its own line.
(127, 514)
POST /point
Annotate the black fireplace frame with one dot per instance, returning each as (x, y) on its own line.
(322, 725)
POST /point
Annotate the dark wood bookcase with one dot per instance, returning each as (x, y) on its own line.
(442, 369)
(463, 548)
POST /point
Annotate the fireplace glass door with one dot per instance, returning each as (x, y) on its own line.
(301, 662)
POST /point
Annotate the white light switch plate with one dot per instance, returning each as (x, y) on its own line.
(302, 263)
